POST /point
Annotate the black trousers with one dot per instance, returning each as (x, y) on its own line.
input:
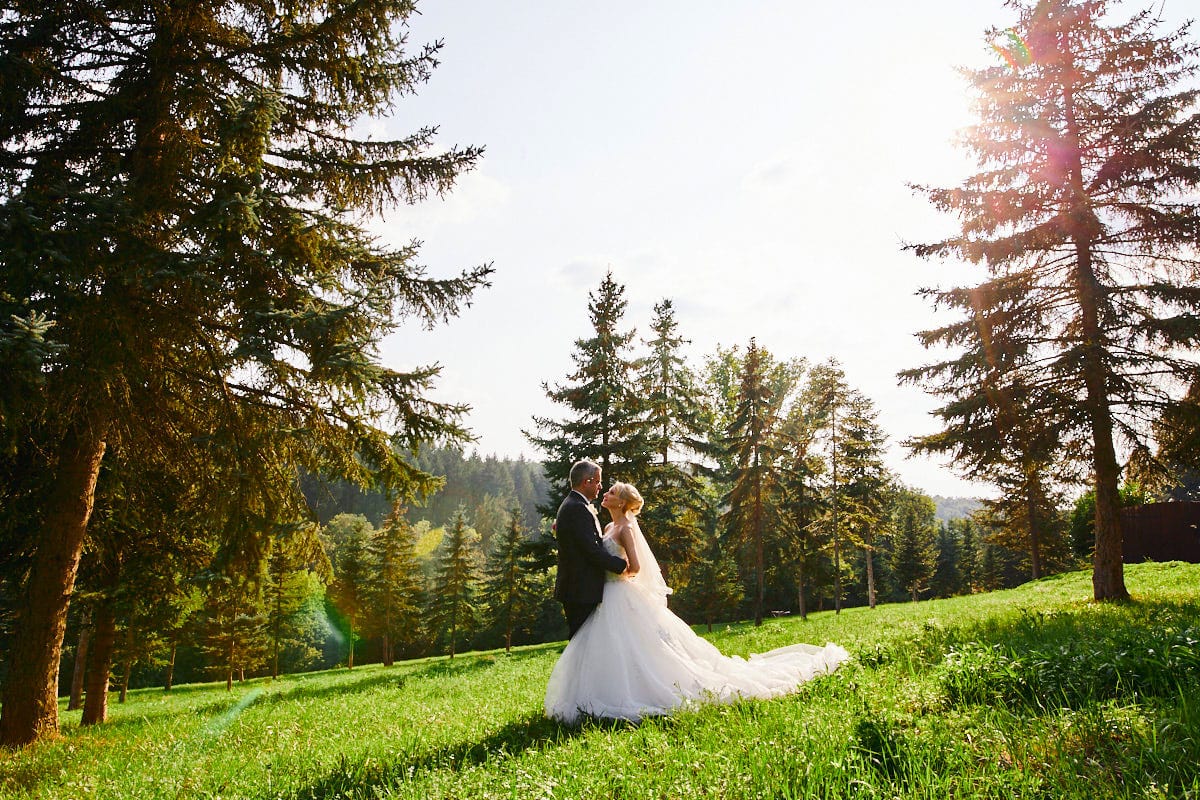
(577, 614)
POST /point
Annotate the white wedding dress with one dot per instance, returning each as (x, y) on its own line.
(633, 658)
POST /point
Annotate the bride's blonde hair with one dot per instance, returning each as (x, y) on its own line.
(630, 496)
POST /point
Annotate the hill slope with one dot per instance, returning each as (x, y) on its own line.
(1028, 692)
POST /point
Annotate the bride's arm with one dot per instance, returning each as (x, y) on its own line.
(625, 538)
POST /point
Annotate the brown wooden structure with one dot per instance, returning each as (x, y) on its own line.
(1161, 532)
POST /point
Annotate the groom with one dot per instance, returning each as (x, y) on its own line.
(582, 559)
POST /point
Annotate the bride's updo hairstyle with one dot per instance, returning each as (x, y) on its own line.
(630, 496)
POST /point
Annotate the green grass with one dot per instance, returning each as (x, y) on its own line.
(1030, 693)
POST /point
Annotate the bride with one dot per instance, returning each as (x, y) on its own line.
(634, 658)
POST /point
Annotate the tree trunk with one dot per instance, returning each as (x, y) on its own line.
(30, 698)
(870, 576)
(229, 664)
(81, 653)
(171, 666)
(759, 589)
(125, 680)
(95, 703)
(800, 602)
(275, 647)
(1035, 537)
(350, 639)
(1108, 570)
(837, 543)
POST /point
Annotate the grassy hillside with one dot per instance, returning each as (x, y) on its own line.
(1032, 692)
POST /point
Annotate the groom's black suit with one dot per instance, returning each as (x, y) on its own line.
(582, 560)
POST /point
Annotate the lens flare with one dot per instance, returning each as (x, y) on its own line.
(220, 723)
(1013, 49)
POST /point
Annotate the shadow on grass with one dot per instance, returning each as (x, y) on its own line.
(371, 778)
(210, 701)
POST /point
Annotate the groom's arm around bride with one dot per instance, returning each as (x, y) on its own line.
(582, 559)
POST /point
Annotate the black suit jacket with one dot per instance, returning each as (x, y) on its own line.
(582, 559)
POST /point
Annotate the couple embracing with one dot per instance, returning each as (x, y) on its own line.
(629, 656)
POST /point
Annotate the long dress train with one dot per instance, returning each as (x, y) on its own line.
(634, 658)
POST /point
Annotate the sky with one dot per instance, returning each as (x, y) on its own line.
(750, 161)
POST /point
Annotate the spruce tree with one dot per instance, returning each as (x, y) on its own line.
(1084, 216)
(947, 579)
(182, 231)
(676, 428)
(452, 612)
(396, 586)
(914, 543)
(865, 481)
(232, 625)
(348, 537)
(503, 593)
(752, 442)
(605, 419)
(802, 501)
(297, 555)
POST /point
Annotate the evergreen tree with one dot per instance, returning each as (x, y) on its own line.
(865, 481)
(1085, 219)
(183, 211)
(347, 538)
(503, 593)
(914, 554)
(606, 421)
(676, 423)
(396, 586)
(751, 438)
(1026, 519)
(714, 589)
(296, 556)
(1177, 432)
(947, 579)
(968, 559)
(844, 421)
(232, 626)
(452, 614)
(802, 502)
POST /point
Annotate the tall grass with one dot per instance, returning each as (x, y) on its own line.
(1032, 692)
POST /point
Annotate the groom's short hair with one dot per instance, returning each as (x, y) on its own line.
(582, 470)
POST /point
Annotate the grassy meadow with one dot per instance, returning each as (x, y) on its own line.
(1033, 693)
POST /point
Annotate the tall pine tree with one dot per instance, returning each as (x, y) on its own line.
(605, 417)
(396, 586)
(752, 442)
(1085, 218)
(184, 187)
(676, 428)
(452, 612)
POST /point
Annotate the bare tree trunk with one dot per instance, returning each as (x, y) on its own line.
(759, 589)
(229, 673)
(95, 703)
(1035, 535)
(350, 638)
(81, 653)
(870, 575)
(800, 601)
(30, 697)
(171, 665)
(837, 542)
(125, 680)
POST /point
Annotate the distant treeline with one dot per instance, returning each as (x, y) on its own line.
(469, 481)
